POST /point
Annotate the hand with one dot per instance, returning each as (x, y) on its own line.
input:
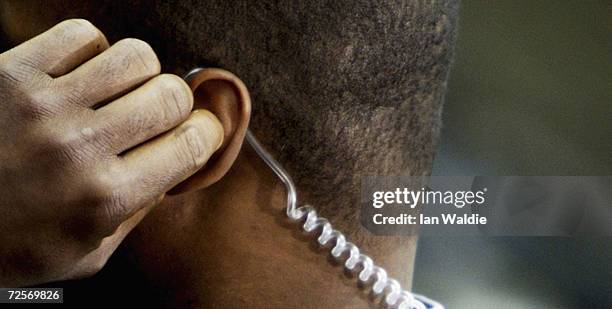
(91, 137)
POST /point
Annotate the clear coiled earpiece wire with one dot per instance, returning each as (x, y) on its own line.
(382, 285)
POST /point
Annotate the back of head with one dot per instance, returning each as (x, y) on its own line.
(340, 89)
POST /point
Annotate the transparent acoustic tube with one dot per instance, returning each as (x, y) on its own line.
(382, 285)
(369, 273)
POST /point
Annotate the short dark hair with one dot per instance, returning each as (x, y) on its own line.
(340, 90)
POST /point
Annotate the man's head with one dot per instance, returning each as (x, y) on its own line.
(340, 89)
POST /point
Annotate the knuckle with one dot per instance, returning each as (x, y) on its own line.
(38, 102)
(79, 25)
(175, 97)
(65, 147)
(81, 31)
(53, 140)
(142, 53)
(136, 45)
(20, 73)
(113, 199)
(101, 186)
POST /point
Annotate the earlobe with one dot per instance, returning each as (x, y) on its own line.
(226, 96)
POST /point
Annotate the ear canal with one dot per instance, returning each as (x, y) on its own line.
(226, 96)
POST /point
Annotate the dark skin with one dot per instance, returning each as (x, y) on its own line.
(228, 244)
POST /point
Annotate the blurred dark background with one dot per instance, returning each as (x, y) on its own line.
(529, 94)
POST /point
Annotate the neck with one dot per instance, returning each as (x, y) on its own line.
(232, 244)
(285, 260)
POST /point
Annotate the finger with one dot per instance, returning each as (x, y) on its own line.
(62, 48)
(155, 107)
(165, 161)
(122, 67)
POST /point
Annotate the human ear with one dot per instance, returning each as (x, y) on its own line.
(226, 96)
